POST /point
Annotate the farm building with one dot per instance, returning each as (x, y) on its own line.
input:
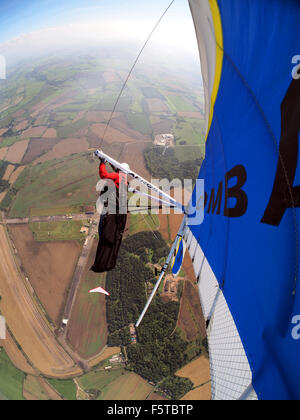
(132, 333)
(84, 230)
(89, 209)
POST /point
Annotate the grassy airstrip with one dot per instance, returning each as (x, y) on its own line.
(58, 231)
(59, 211)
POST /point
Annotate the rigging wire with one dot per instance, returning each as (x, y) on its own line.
(132, 68)
(145, 220)
(123, 88)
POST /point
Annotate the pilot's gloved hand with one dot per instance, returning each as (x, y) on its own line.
(102, 160)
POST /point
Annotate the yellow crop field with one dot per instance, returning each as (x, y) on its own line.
(128, 387)
(197, 371)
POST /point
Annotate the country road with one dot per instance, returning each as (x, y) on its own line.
(45, 219)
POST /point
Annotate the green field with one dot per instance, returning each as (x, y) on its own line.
(107, 102)
(63, 116)
(9, 141)
(33, 92)
(3, 167)
(98, 382)
(5, 121)
(11, 379)
(58, 183)
(57, 211)
(142, 223)
(179, 104)
(191, 131)
(34, 388)
(189, 153)
(71, 128)
(52, 95)
(58, 231)
(137, 98)
(66, 388)
(139, 122)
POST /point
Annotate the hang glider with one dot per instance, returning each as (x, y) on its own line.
(112, 226)
(99, 290)
(165, 198)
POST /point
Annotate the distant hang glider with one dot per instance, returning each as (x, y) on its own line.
(99, 290)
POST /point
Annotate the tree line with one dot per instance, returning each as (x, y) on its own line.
(163, 163)
(160, 351)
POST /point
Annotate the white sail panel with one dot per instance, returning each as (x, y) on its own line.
(231, 375)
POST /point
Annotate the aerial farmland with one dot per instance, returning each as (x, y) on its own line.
(53, 114)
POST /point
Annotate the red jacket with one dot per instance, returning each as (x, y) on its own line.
(114, 176)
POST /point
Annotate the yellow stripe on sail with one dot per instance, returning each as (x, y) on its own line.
(219, 57)
(175, 253)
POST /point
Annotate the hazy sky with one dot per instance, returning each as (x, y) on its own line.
(108, 19)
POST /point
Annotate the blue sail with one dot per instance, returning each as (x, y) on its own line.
(246, 253)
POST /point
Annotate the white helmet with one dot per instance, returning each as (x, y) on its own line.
(126, 166)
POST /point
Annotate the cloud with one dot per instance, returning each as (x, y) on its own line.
(174, 34)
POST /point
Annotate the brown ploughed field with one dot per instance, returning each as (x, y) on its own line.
(17, 151)
(49, 267)
(65, 148)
